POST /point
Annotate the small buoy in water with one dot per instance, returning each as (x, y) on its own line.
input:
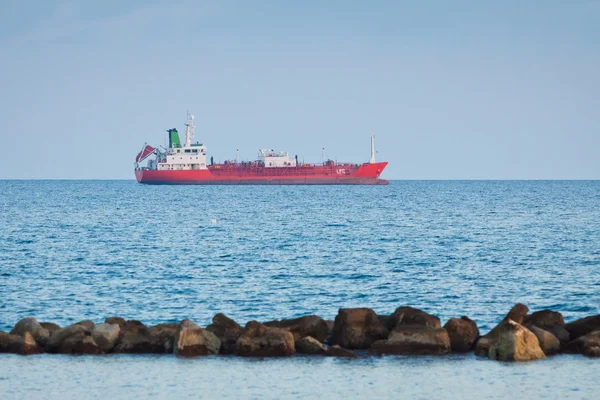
(213, 221)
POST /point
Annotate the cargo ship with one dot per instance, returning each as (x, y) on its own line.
(186, 164)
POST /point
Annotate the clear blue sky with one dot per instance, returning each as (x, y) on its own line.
(452, 89)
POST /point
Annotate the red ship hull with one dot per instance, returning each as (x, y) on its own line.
(232, 174)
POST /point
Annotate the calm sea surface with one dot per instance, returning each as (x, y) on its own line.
(73, 250)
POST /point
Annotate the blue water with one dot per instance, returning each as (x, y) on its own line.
(73, 250)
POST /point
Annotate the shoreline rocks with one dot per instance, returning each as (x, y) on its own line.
(408, 331)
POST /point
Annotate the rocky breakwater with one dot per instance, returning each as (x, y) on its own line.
(355, 332)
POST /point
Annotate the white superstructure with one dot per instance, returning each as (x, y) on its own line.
(272, 158)
(189, 156)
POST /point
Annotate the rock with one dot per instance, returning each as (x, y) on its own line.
(79, 344)
(549, 343)
(463, 333)
(412, 316)
(482, 347)
(583, 326)
(309, 345)
(309, 325)
(517, 313)
(106, 336)
(514, 342)
(561, 333)
(135, 338)
(74, 339)
(24, 345)
(51, 327)
(31, 325)
(588, 345)
(57, 339)
(163, 335)
(87, 323)
(544, 319)
(337, 351)
(193, 341)
(484, 343)
(413, 339)
(115, 320)
(357, 328)
(258, 340)
(227, 330)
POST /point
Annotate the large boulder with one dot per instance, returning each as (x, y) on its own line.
(135, 338)
(115, 320)
(258, 340)
(227, 330)
(309, 325)
(106, 336)
(514, 342)
(309, 345)
(413, 339)
(484, 343)
(163, 335)
(583, 326)
(74, 339)
(549, 343)
(31, 325)
(357, 328)
(463, 333)
(17, 344)
(57, 339)
(545, 319)
(193, 341)
(50, 327)
(87, 323)
(412, 316)
(588, 345)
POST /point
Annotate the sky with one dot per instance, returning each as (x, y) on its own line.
(451, 89)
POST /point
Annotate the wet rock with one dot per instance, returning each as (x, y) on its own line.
(115, 320)
(357, 328)
(337, 351)
(51, 327)
(412, 316)
(309, 345)
(583, 326)
(31, 325)
(463, 333)
(484, 343)
(58, 338)
(544, 319)
(163, 336)
(24, 345)
(193, 341)
(227, 330)
(514, 342)
(413, 339)
(106, 336)
(87, 323)
(309, 325)
(588, 345)
(258, 340)
(549, 343)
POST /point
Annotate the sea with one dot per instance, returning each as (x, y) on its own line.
(75, 250)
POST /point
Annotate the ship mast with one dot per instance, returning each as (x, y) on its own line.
(372, 160)
(189, 130)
